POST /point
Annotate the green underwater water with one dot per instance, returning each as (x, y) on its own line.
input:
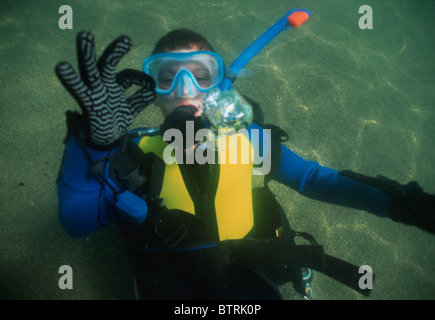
(362, 100)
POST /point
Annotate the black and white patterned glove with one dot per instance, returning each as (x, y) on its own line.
(106, 113)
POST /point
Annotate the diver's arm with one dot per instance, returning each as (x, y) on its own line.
(85, 199)
(315, 181)
(406, 204)
(85, 202)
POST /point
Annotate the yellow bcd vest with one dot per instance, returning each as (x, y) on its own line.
(233, 198)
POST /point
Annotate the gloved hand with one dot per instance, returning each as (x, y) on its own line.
(106, 113)
(410, 204)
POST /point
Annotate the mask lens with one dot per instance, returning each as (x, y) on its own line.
(202, 75)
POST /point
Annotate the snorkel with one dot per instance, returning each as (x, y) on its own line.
(293, 18)
(226, 107)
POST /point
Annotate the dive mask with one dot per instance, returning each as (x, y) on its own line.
(185, 72)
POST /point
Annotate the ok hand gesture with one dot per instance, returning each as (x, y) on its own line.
(106, 113)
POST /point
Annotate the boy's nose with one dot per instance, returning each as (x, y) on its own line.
(185, 88)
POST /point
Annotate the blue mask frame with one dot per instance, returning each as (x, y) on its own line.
(184, 82)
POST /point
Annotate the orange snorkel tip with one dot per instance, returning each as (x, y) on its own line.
(297, 18)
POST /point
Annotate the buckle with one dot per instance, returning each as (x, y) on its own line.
(133, 180)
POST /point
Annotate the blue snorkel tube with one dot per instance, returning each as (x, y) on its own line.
(294, 18)
(226, 108)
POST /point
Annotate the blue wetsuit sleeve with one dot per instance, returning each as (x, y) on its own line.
(85, 202)
(315, 181)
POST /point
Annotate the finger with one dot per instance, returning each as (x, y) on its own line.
(71, 81)
(140, 100)
(143, 97)
(126, 78)
(87, 60)
(112, 55)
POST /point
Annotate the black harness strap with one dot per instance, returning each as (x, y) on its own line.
(156, 179)
(277, 253)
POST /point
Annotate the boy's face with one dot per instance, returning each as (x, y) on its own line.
(169, 103)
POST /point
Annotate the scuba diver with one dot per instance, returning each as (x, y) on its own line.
(199, 230)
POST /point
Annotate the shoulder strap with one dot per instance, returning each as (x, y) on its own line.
(275, 149)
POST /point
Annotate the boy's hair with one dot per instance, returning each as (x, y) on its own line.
(181, 39)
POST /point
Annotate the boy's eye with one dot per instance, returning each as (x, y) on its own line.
(203, 80)
(166, 82)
